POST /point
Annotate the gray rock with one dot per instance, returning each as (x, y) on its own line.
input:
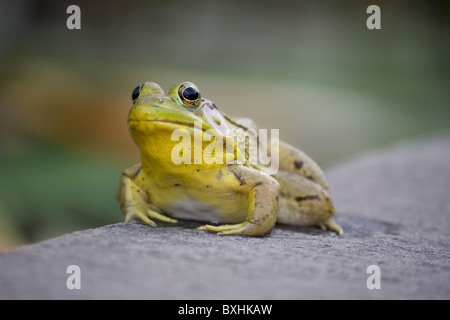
(393, 205)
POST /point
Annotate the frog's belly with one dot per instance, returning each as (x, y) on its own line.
(223, 211)
(192, 209)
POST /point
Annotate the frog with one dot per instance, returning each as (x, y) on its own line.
(232, 196)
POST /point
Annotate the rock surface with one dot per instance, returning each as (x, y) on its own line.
(393, 204)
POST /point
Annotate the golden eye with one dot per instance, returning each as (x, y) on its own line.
(189, 95)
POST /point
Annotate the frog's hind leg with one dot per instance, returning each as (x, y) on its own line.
(296, 161)
(305, 203)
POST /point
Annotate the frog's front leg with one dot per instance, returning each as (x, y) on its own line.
(263, 191)
(134, 201)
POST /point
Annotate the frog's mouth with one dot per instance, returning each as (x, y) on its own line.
(177, 123)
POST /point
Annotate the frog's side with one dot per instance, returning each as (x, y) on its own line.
(233, 193)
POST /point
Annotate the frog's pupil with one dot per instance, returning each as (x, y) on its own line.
(136, 93)
(190, 93)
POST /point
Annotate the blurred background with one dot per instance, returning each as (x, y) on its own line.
(309, 68)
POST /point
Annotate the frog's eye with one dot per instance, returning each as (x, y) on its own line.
(189, 95)
(136, 93)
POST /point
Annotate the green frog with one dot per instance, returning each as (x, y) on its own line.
(225, 189)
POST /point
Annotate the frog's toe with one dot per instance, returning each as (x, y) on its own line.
(159, 216)
(206, 227)
(332, 226)
(220, 229)
(135, 212)
(245, 228)
(236, 230)
(146, 214)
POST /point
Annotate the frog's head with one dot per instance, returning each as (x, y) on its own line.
(152, 107)
(155, 116)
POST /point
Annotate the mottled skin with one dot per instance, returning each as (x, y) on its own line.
(235, 195)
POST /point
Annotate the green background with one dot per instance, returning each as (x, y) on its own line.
(309, 68)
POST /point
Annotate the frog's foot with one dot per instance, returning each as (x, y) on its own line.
(243, 228)
(331, 225)
(144, 213)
